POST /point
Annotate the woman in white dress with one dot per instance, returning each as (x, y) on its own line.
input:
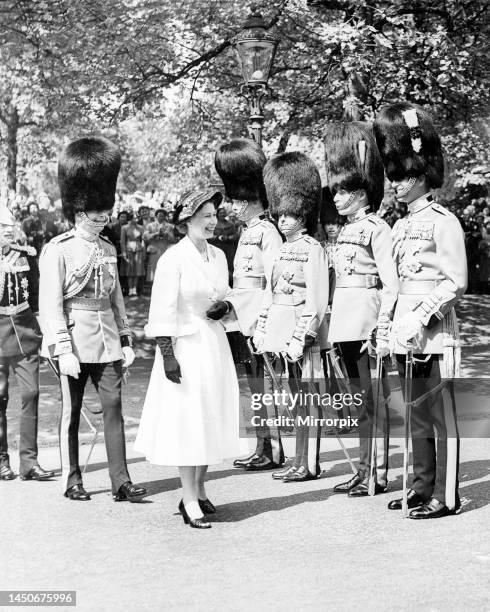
(190, 416)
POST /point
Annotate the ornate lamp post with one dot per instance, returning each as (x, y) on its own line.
(255, 48)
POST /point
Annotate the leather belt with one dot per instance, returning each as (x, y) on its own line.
(13, 310)
(288, 299)
(249, 282)
(77, 303)
(417, 287)
(366, 281)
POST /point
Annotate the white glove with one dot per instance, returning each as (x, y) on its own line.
(69, 365)
(295, 350)
(258, 343)
(128, 356)
(409, 328)
(382, 348)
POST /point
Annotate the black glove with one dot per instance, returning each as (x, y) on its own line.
(170, 363)
(218, 310)
(309, 340)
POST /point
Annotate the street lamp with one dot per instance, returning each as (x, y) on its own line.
(255, 48)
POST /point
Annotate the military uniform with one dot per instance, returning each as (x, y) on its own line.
(257, 248)
(20, 339)
(294, 306)
(365, 294)
(431, 259)
(258, 245)
(82, 311)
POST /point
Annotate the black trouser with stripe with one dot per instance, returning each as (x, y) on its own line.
(308, 433)
(268, 439)
(435, 463)
(107, 379)
(358, 366)
(26, 370)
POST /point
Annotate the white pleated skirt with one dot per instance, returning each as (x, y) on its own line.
(195, 422)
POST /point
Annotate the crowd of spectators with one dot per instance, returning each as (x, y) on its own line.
(142, 229)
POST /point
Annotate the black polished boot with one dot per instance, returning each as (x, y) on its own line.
(36, 472)
(413, 498)
(287, 471)
(432, 509)
(77, 493)
(6, 473)
(130, 492)
(261, 464)
(345, 487)
(242, 463)
(300, 475)
(362, 489)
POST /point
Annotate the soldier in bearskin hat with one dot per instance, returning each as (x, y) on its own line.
(82, 311)
(430, 255)
(331, 222)
(296, 297)
(20, 339)
(239, 164)
(366, 283)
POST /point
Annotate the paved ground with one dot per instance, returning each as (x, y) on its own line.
(273, 546)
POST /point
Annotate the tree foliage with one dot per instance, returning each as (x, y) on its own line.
(162, 76)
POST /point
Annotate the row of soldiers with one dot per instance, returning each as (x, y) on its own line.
(396, 289)
(394, 293)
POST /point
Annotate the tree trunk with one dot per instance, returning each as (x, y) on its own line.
(354, 106)
(12, 133)
(286, 133)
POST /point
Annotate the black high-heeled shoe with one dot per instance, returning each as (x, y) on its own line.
(199, 523)
(206, 506)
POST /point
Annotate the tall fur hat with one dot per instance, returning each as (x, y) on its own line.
(293, 186)
(328, 210)
(409, 144)
(87, 175)
(353, 161)
(239, 164)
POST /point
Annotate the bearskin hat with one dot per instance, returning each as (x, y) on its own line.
(353, 161)
(239, 164)
(293, 186)
(409, 144)
(328, 210)
(87, 175)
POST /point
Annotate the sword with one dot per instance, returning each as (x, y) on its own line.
(274, 379)
(372, 466)
(408, 412)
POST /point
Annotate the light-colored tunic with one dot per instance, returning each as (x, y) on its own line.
(296, 298)
(194, 422)
(366, 281)
(257, 248)
(81, 307)
(431, 258)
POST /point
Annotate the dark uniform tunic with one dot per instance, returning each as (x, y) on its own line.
(20, 338)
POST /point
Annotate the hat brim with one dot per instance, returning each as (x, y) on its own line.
(197, 200)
